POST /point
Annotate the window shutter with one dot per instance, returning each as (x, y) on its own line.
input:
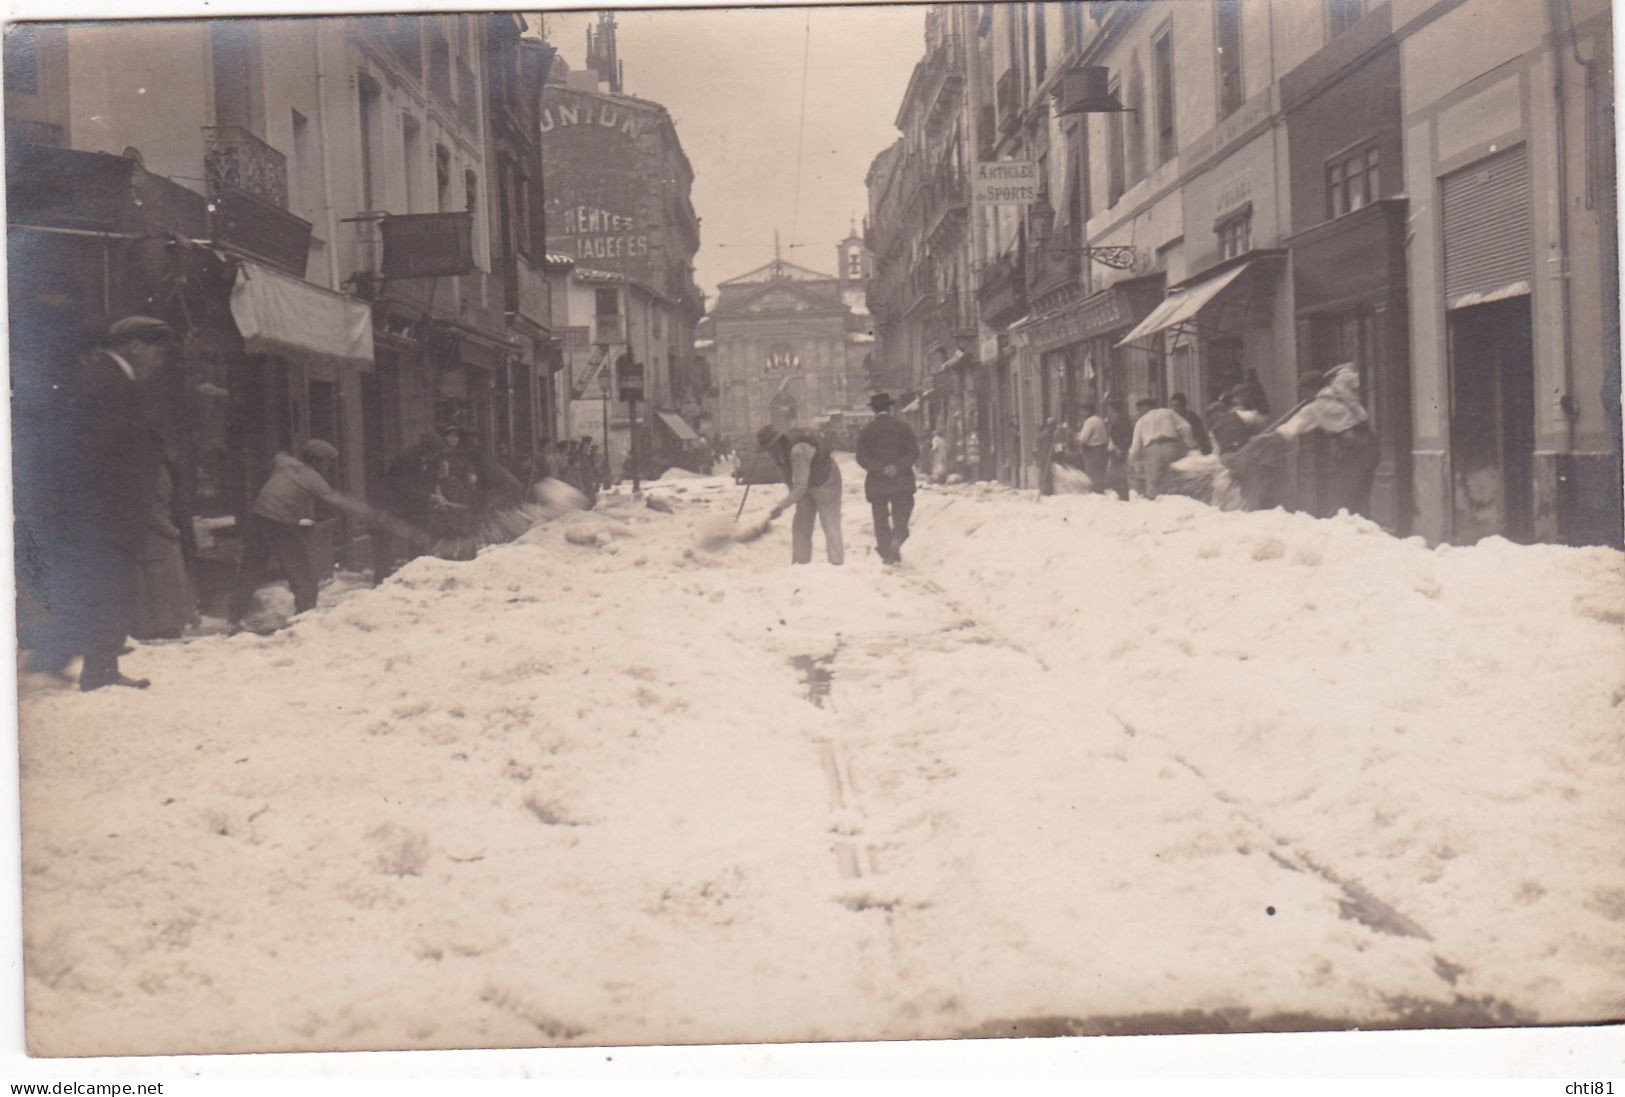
(1487, 234)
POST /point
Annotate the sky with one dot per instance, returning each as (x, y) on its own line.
(732, 81)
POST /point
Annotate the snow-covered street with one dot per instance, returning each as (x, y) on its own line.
(1077, 766)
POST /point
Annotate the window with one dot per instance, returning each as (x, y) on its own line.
(1341, 15)
(305, 169)
(1040, 45)
(608, 302)
(442, 179)
(854, 264)
(1352, 181)
(1162, 75)
(439, 61)
(1114, 152)
(22, 60)
(1235, 234)
(1227, 44)
(370, 98)
(1135, 122)
(412, 156)
(1072, 25)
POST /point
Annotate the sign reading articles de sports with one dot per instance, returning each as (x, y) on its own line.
(1005, 183)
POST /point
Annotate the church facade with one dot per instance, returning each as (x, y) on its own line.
(790, 346)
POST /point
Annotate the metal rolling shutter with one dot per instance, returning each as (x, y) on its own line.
(1487, 237)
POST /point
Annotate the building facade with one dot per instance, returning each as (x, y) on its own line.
(618, 202)
(1255, 189)
(790, 346)
(238, 179)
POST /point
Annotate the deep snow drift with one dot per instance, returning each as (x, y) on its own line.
(1078, 765)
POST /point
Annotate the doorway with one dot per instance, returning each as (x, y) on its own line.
(1492, 421)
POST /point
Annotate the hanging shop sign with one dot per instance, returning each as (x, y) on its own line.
(1005, 183)
(629, 376)
(427, 245)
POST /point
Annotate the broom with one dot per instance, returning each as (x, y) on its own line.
(1232, 481)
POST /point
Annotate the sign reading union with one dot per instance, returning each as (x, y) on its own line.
(1005, 183)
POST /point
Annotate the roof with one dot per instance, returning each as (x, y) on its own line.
(779, 271)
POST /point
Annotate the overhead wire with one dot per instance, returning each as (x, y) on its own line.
(801, 126)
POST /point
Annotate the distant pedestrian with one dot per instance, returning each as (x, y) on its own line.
(410, 483)
(939, 457)
(1161, 437)
(1119, 436)
(1093, 446)
(1044, 455)
(887, 450)
(815, 490)
(1181, 407)
(164, 602)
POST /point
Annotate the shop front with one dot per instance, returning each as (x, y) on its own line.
(1079, 361)
(1212, 332)
(1350, 290)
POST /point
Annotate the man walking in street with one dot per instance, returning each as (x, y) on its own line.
(108, 470)
(815, 490)
(1161, 437)
(887, 450)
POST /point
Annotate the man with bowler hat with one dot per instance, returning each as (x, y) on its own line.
(887, 450)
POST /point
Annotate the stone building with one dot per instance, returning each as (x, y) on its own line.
(618, 201)
(1423, 188)
(237, 178)
(790, 346)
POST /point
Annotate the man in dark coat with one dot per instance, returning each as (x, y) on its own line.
(108, 463)
(887, 450)
(1182, 407)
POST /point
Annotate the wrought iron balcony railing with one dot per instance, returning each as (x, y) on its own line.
(235, 159)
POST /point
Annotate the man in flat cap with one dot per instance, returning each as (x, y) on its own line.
(108, 461)
(887, 450)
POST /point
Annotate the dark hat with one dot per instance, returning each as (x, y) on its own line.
(139, 327)
(880, 401)
(767, 436)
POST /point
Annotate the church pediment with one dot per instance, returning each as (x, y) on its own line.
(779, 299)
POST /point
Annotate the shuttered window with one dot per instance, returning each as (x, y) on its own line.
(1487, 237)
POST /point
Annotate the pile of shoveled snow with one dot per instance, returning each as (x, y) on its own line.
(1445, 728)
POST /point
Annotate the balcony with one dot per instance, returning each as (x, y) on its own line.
(955, 315)
(1003, 292)
(247, 182)
(524, 291)
(236, 160)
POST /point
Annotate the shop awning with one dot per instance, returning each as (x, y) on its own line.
(280, 314)
(1181, 305)
(678, 427)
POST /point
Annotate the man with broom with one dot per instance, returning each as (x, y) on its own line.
(887, 450)
(815, 490)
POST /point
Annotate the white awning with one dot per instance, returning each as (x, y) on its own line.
(1183, 304)
(678, 426)
(280, 314)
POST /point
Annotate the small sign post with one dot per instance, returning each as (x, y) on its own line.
(629, 377)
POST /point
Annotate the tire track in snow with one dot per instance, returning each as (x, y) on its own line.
(1354, 901)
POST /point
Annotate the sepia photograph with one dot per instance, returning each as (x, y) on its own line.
(791, 525)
